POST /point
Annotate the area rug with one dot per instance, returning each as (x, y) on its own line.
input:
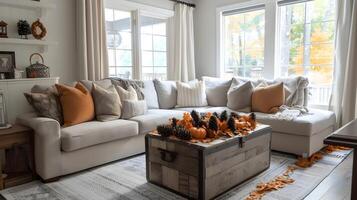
(126, 180)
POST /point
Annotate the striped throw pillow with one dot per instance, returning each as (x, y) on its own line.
(191, 94)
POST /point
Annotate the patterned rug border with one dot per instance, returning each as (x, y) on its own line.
(230, 194)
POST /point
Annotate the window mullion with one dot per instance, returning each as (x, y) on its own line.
(270, 69)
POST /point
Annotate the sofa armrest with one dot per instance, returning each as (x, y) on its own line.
(47, 141)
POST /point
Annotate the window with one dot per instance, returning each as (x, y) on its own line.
(243, 44)
(307, 45)
(136, 40)
(280, 38)
(118, 26)
(153, 48)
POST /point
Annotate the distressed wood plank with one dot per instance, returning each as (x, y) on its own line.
(170, 178)
(182, 163)
(235, 175)
(155, 172)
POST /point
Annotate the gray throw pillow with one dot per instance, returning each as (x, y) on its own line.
(150, 95)
(216, 90)
(240, 96)
(106, 103)
(45, 102)
(132, 108)
(166, 93)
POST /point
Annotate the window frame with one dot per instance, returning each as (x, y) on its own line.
(272, 68)
(136, 10)
(270, 30)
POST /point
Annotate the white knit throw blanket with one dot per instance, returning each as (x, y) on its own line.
(289, 112)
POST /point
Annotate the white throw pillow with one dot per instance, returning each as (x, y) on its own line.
(150, 95)
(191, 94)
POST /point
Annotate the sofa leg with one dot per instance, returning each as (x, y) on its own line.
(51, 180)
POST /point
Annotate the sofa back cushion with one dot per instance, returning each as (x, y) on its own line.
(77, 104)
(216, 90)
(106, 103)
(166, 93)
(268, 99)
(105, 83)
(150, 95)
(126, 83)
(191, 94)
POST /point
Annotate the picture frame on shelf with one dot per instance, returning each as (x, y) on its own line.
(7, 64)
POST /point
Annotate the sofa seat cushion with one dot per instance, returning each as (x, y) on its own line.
(203, 109)
(95, 132)
(305, 125)
(155, 117)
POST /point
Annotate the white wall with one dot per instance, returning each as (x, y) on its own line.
(166, 4)
(205, 34)
(60, 24)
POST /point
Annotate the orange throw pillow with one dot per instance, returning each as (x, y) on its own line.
(268, 99)
(77, 104)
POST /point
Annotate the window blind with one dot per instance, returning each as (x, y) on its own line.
(289, 2)
(243, 10)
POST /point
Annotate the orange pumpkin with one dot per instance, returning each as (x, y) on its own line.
(223, 126)
(198, 133)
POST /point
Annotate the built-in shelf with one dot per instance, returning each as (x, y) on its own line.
(28, 4)
(41, 43)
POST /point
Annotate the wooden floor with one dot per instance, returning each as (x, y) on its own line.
(337, 186)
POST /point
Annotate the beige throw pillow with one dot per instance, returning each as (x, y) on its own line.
(133, 108)
(268, 99)
(191, 94)
(106, 102)
(124, 94)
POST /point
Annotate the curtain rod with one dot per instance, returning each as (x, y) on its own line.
(185, 3)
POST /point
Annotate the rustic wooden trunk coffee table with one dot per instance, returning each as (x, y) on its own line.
(205, 170)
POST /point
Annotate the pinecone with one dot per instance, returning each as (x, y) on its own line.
(203, 123)
(174, 122)
(231, 124)
(215, 114)
(183, 134)
(235, 115)
(196, 118)
(212, 124)
(165, 130)
(253, 116)
(224, 116)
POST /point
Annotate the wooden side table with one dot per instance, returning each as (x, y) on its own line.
(347, 137)
(17, 135)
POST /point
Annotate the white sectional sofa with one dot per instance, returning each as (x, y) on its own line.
(60, 151)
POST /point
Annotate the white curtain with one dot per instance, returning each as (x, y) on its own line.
(91, 40)
(181, 45)
(343, 99)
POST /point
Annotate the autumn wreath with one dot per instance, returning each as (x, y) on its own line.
(38, 30)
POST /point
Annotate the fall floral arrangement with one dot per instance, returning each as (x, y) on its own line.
(208, 126)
